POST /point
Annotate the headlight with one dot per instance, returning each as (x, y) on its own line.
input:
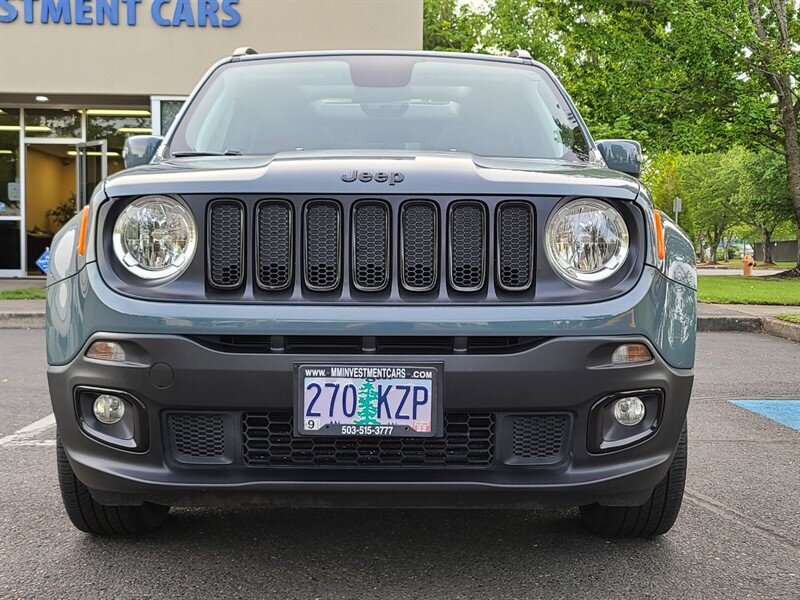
(586, 240)
(155, 237)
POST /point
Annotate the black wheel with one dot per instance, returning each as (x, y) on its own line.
(654, 517)
(92, 517)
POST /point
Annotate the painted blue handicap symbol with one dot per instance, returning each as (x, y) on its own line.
(785, 412)
(43, 262)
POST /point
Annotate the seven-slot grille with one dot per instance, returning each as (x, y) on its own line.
(327, 245)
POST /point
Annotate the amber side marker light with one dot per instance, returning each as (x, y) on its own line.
(627, 354)
(660, 247)
(82, 231)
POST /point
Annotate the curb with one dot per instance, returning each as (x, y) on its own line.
(783, 329)
(743, 324)
(22, 320)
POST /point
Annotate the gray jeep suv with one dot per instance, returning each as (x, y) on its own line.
(373, 279)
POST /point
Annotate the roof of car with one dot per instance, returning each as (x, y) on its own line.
(247, 54)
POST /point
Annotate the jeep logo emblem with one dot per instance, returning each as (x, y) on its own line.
(379, 177)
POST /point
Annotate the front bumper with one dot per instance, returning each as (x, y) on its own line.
(556, 375)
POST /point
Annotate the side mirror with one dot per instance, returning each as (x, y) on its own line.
(140, 150)
(622, 155)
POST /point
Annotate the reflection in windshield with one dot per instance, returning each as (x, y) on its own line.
(411, 103)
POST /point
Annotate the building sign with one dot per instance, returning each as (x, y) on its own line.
(166, 13)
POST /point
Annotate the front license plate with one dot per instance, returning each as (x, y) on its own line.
(368, 400)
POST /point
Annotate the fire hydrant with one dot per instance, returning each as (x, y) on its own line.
(747, 265)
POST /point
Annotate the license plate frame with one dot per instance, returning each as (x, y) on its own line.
(333, 370)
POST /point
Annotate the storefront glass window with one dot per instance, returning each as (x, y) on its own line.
(52, 123)
(114, 127)
(9, 245)
(9, 164)
(169, 110)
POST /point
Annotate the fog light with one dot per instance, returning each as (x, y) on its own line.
(631, 353)
(109, 409)
(629, 411)
(106, 351)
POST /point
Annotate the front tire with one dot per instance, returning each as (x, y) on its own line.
(654, 517)
(90, 516)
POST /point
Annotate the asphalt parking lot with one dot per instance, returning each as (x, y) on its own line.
(738, 535)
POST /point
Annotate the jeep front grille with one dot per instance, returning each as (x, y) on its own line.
(225, 244)
(322, 245)
(362, 249)
(274, 245)
(370, 245)
(419, 235)
(515, 246)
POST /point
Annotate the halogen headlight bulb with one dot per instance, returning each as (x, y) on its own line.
(586, 240)
(155, 237)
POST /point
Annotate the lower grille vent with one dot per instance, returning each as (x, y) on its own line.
(197, 437)
(540, 439)
(268, 440)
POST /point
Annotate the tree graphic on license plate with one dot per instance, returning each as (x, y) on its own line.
(367, 405)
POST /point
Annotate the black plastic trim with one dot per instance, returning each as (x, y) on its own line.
(401, 252)
(242, 251)
(256, 243)
(484, 244)
(532, 272)
(353, 242)
(340, 240)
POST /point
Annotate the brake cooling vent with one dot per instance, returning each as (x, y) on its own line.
(274, 245)
(226, 244)
(515, 246)
(467, 230)
(370, 234)
(322, 244)
(419, 230)
(197, 438)
(540, 439)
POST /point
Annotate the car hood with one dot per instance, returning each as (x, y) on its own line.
(408, 174)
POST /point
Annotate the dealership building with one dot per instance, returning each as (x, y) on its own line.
(79, 76)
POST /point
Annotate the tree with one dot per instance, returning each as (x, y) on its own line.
(762, 199)
(703, 185)
(451, 26)
(367, 405)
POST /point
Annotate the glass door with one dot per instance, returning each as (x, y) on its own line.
(92, 165)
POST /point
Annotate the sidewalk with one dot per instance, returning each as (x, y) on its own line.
(21, 314)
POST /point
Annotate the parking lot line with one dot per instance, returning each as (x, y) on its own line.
(785, 412)
(21, 436)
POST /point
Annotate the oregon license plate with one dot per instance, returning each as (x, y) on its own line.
(368, 400)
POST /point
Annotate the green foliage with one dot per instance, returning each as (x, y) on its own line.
(684, 77)
(450, 26)
(62, 213)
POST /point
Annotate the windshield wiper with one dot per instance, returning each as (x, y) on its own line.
(189, 153)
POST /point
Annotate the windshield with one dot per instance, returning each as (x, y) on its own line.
(412, 103)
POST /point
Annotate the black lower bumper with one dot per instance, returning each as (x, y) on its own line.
(564, 377)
